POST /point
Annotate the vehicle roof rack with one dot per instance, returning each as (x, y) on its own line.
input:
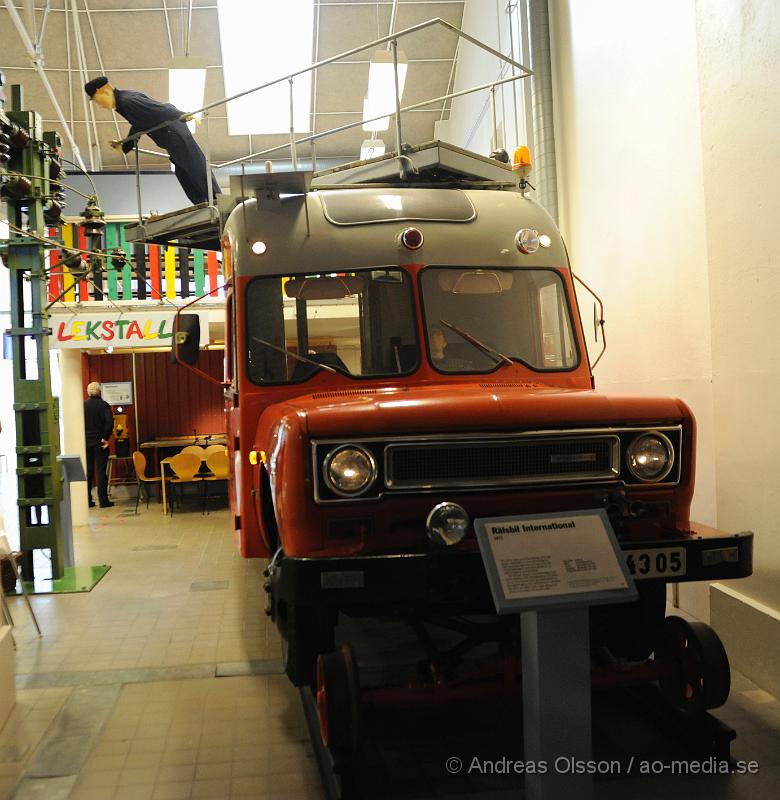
(433, 162)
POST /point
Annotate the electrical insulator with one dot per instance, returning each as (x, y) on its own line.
(73, 261)
(52, 212)
(5, 147)
(93, 223)
(18, 186)
(18, 135)
(118, 258)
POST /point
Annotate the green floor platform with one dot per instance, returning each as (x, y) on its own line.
(74, 579)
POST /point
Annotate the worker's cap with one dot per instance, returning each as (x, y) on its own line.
(90, 87)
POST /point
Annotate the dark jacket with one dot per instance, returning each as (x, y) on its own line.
(144, 112)
(98, 420)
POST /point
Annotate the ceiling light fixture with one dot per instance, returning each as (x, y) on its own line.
(381, 124)
(380, 100)
(187, 86)
(262, 41)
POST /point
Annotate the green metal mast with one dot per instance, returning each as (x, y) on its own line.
(31, 161)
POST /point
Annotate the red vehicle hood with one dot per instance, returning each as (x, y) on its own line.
(474, 407)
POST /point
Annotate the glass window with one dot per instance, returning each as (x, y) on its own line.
(477, 319)
(359, 324)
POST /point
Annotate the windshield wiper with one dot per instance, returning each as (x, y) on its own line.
(476, 342)
(305, 360)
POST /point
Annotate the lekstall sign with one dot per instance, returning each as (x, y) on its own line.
(112, 329)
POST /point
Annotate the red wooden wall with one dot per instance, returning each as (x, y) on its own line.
(172, 401)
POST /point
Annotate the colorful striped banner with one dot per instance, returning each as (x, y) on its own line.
(82, 245)
(69, 284)
(211, 258)
(147, 274)
(170, 273)
(154, 271)
(112, 241)
(55, 269)
(127, 270)
(200, 275)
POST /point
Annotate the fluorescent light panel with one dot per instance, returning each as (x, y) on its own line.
(381, 88)
(381, 124)
(263, 40)
(186, 88)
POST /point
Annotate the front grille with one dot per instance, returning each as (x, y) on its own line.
(491, 463)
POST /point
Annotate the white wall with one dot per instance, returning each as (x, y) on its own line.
(739, 65)
(632, 204)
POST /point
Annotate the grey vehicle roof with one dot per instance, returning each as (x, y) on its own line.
(299, 238)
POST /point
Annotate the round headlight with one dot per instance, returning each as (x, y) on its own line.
(349, 470)
(447, 524)
(650, 457)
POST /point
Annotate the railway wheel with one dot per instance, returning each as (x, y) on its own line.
(702, 678)
(338, 703)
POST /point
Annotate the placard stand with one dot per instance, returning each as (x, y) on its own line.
(556, 701)
(550, 569)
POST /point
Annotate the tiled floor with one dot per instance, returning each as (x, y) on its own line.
(164, 682)
(178, 608)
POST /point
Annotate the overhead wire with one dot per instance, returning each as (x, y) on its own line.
(89, 177)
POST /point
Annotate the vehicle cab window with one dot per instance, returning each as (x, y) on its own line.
(358, 324)
(478, 319)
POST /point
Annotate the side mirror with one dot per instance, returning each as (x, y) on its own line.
(186, 339)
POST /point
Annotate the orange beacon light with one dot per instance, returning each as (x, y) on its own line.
(521, 163)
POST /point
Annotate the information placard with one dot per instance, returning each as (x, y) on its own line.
(536, 561)
(119, 393)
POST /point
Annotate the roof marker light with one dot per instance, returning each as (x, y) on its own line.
(527, 240)
(412, 238)
(258, 248)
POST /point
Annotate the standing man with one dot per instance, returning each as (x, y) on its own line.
(98, 427)
(143, 112)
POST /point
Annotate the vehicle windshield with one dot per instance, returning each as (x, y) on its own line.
(358, 324)
(479, 319)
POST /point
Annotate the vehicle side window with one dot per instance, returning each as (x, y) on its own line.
(557, 342)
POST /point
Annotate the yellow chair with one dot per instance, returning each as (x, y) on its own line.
(196, 450)
(139, 462)
(219, 466)
(185, 468)
(215, 448)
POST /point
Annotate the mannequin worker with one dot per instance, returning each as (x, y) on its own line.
(143, 112)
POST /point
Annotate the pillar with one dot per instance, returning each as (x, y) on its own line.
(72, 423)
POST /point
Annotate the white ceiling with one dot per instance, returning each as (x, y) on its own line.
(133, 43)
